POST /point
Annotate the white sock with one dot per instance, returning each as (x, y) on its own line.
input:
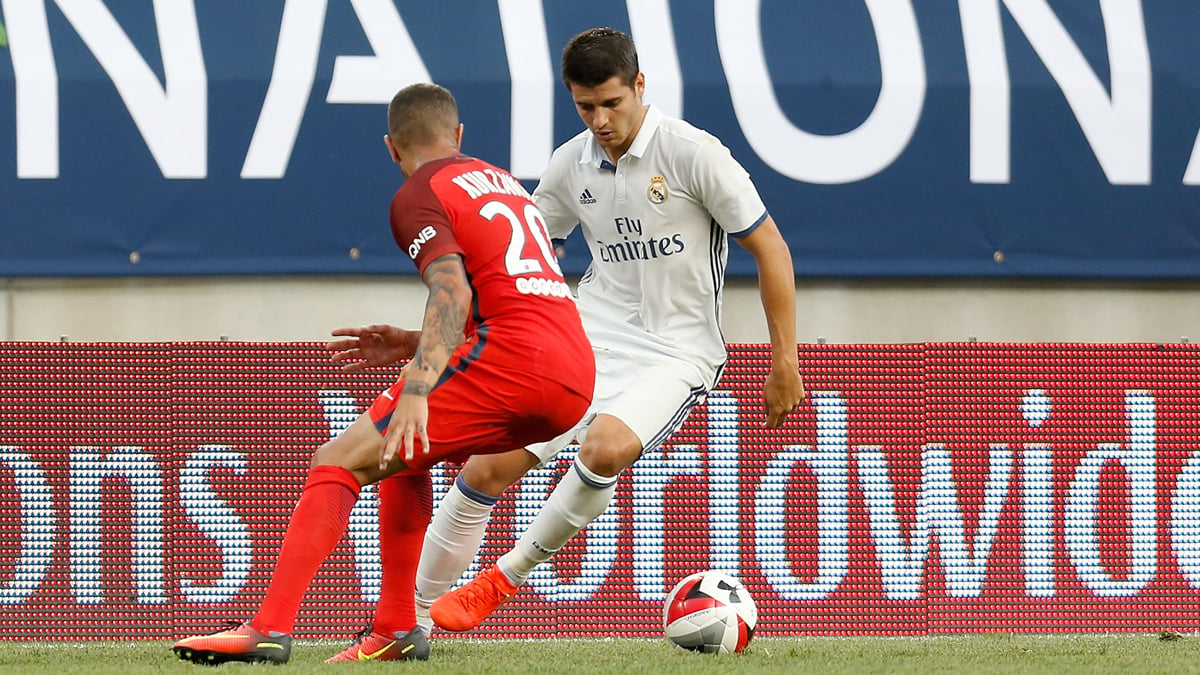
(451, 542)
(577, 500)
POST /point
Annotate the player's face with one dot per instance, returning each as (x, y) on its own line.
(612, 111)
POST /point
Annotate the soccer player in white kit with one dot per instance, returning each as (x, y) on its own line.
(655, 198)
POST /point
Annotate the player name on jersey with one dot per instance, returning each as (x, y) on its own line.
(479, 183)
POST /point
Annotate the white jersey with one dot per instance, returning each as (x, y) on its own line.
(656, 226)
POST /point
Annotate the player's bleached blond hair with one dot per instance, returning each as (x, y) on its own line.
(422, 114)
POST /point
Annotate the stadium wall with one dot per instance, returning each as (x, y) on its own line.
(924, 489)
(908, 139)
(846, 311)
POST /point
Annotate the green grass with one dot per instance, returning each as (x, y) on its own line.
(1001, 653)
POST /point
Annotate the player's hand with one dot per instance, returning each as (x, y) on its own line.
(409, 422)
(371, 346)
(783, 394)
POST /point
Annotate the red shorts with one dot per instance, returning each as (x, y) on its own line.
(491, 399)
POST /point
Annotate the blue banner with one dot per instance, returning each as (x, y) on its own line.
(1030, 138)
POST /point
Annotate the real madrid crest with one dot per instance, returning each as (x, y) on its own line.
(657, 192)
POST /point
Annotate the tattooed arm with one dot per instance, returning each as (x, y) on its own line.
(446, 314)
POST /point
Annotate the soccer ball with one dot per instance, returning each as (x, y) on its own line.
(710, 612)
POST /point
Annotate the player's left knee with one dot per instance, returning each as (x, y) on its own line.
(335, 453)
(324, 455)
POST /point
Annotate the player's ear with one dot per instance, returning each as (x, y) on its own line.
(458, 135)
(639, 84)
(387, 140)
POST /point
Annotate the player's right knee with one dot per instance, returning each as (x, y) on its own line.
(608, 460)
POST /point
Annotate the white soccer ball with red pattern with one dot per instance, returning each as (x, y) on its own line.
(710, 612)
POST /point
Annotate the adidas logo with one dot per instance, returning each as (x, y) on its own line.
(586, 197)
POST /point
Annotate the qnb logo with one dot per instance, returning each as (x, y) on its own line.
(586, 197)
(420, 240)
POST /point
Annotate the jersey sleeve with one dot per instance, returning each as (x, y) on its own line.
(552, 198)
(725, 189)
(420, 224)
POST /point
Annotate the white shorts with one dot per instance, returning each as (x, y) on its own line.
(651, 393)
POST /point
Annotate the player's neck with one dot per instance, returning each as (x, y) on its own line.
(615, 155)
(422, 156)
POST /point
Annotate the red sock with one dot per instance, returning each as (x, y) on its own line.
(316, 526)
(405, 507)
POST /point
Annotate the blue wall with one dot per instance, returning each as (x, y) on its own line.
(263, 154)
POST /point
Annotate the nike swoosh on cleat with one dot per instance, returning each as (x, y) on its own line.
(269, 645)
(362, 656)
(202, 638)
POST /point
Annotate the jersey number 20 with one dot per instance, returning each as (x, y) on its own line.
(529, 224)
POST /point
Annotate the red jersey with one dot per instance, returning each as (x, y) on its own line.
(522, 304)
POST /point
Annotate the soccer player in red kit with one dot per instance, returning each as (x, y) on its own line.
(501, 361)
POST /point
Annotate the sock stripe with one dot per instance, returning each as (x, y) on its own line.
(473, 494)
(589, 477)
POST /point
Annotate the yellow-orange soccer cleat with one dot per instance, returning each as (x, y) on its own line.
(466, 607)
(372, 646)
(240, 643)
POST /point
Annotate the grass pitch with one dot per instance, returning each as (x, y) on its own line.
(1000, 653)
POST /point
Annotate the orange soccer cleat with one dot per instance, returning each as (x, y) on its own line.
(372, 646)
(239, 643)
(466, 607)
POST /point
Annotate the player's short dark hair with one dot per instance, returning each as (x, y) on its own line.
(597, 55)
(421, 114)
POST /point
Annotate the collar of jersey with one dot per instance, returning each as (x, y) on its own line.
(594, 154)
